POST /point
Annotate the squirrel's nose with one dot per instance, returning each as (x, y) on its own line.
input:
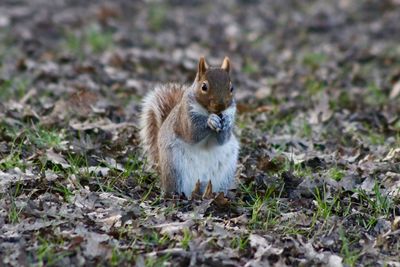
(217, 107)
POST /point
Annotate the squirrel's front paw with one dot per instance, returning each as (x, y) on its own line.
(226, 122)
(214, 122)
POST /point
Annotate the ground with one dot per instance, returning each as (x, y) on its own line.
(318, 91)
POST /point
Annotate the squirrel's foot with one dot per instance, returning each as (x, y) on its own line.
(208, 193)
(196, 194)
(214, 122)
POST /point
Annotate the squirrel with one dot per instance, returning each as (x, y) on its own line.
(186, 132)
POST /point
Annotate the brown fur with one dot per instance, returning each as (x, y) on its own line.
(177, 123)
(156, 107)
(218, 96)
(182, 126)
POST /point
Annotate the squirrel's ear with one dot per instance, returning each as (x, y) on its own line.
(202, 68)
(226, 64)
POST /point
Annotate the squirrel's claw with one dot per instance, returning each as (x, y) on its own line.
(208, 192)
(214, 122)
(196, 194)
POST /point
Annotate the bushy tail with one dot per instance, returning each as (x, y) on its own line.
(155, 109)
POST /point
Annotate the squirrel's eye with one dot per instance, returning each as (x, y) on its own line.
(231, 88)
(204, 87)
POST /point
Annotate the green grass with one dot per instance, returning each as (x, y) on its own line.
(77, 161)
(64, 191)
(157, 262)
(92, 38)
(187, 236)
(275, 122)
(240, 242)
(47, 252)
(98, 39)
(250, 66)
(155, 239)
(344, 101)
(157, 16)
(350, 255)
(14, 211)
(14, 88)
(74, 44)
(134, 167)
(265, 207)
(336, 174)
(45, 138)
(8, 131)
(22, 139)
(14, 158)
(314, 86)
(376, 138)
(314, 60)
(324, 207)
(306, 130)
(375, 206)
(298, 169)
(119, 257)
(375, 96)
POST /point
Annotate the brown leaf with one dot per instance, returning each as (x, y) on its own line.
(395, 91)
(75, 242)
(245, 108)
(78, 104)
(393, 155)
(396, 223)
(221, 201)
(105, 12)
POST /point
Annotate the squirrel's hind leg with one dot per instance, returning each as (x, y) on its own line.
(168, 175)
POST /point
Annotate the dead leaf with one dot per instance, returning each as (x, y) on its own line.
(393, 154)
(15, 176)
(263, 92)
(56, 158)
(321, 112)
(395, 90)
(174, 227)
(260, 244)
(95, 247)
(396, 223)
(50, 175)
(220, 200)
(391, 183)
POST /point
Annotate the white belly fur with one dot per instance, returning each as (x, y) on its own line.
(206, 161)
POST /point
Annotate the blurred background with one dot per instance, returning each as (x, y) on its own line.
(281, 50)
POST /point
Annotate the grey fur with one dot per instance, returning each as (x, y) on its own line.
(200, 127)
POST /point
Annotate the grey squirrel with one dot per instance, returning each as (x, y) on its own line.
(186, 131)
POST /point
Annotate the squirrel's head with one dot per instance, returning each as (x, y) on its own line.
(214, 90)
